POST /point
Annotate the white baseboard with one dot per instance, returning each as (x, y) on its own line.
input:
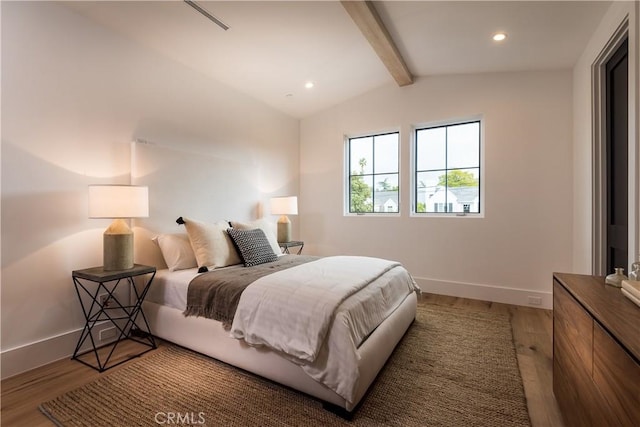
(23, 358)
(486, 292)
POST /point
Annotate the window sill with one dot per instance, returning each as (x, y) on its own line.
(446, 215)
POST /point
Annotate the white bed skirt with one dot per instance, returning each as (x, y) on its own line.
(208, 337)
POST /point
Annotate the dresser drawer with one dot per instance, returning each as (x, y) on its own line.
(573, 333)
(567, 389)
(573, 385)
(617, 376)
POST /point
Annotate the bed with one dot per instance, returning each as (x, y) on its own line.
(354, 340)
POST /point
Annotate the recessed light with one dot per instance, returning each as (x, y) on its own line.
(309, 85)
(498, 37)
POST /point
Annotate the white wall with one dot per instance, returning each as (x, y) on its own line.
(525, 234)
(582, 133)
(74, 95)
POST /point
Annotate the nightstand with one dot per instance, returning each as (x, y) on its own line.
(96, 289)
(292, 244)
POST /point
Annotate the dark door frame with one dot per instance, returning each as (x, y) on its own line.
(599, 133)
(617, 152)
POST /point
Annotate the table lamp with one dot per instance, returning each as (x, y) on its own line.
(119, 202)
(284, 206)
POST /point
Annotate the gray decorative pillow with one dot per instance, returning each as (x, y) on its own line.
(264, 225)
(253, 245)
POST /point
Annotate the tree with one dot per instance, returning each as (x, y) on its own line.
(360, 196)
(360, 191)
(384, 185)
(362, 162)
(458, 178)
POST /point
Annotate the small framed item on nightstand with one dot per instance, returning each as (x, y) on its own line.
(292, 244)
(119, 319)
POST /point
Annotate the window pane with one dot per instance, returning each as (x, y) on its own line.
(464, 190)
(373, 173)
(431, 149)
(361, 155)
(385, 198)
(463, 146)
(361, 194)
(386, 153)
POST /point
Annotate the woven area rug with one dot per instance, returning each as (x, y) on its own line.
(453, 368)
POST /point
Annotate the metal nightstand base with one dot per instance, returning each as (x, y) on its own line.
(128, 319)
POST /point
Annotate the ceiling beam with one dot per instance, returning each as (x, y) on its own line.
(367, 19)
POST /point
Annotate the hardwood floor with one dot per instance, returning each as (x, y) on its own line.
(533, 336)
(532, 330)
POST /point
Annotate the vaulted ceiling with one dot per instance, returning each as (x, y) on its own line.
(272, 48)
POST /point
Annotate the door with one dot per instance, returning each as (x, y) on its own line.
(617, 155)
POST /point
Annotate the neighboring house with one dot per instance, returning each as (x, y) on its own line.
(454, 199)
(435, 199)
(467, 199)
(386, 201)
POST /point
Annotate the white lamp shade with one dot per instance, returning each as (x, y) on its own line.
(284, 205)
(118, 201)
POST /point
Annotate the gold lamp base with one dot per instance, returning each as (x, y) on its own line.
(118, 246)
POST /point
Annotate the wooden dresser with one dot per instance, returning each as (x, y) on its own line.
(596, 352)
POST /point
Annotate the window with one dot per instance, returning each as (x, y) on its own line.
(373, 184)
(447, 169)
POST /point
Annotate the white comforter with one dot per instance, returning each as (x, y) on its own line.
(292, 311)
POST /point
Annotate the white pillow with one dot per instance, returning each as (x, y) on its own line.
(176, 251)
(265, 226)
(211, 244)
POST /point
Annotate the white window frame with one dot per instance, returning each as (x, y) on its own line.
(413, 162)
(347, 173)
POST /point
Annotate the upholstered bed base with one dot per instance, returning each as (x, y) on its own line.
(208, 337)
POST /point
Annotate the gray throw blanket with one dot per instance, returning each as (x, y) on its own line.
(216, 294)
